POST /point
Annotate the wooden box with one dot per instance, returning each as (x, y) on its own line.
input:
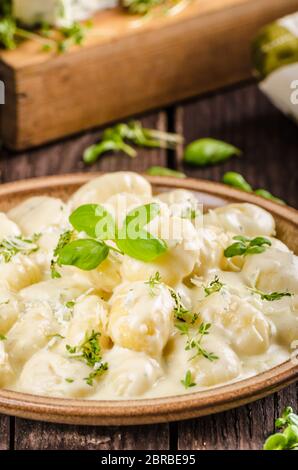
(127, 66)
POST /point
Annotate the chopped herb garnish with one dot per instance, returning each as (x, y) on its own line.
(96, 373)
(181, 313)
(214, 286)
(273, 296)
(195, 343)
(2, 337)
(154, 281)
(69, 380)
(64, 239)
(11, 246)
(187, 381)
(246, 246)
(287, 438)
(89, 352)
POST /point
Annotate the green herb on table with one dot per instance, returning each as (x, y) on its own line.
(187, 381)
(208, 151)
(267, 195)
(2, 337)
(214, 286)
(231, 178)
(236, 180)
(11, 246)
(287, 438)
(89, 352)
(161, 171)
(246, 246)
(118, 138)
(272, 296)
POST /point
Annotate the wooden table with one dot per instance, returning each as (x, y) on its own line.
(239, 115)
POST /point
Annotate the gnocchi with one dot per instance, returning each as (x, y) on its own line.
(196, 315)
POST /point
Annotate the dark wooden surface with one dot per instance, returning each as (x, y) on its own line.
(242, 116)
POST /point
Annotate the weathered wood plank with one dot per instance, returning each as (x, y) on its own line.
(245, 118)
(65, 157)
(4, 432)
(243, 428)
(45, 436)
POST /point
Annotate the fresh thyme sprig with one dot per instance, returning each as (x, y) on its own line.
(272, 296)
(11, 246)
(195, 343)
(154, 281)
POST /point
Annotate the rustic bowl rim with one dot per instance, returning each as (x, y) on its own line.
(153, 410)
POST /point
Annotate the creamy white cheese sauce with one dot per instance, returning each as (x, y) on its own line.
(146, 353)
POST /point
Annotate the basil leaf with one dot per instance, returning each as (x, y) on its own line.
(267, 195)
(144, 248)
(207, 151)
(94, 220)
(236, 249)
(161, 171)
(84, 254)
(259, 241)
(136, 242)
(139, 217)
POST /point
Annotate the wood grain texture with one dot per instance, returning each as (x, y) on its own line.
(49, 99)
(45, 436)
(4, 432)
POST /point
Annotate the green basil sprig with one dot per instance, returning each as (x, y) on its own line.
(95, 221)
(246, 246)
(208, 151)
(287, 439)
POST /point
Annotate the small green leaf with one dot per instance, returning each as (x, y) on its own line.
(84, 254)
(94, 220)
(231, 178)
(245, 246)
(2, 337)
(161, 171)
(209, 151)
(276, 442)
(187, 381)
(236, 249)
